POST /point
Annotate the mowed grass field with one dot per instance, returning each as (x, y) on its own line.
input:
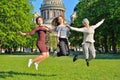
(14, 67)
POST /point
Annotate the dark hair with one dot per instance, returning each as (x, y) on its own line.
(38, 18)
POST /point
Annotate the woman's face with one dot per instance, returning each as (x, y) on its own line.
(40, 21)
(60, 20)
(86, 24)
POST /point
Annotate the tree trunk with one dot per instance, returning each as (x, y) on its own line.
(105, 44)
(9, 50)
(114, 49)
(15, 49)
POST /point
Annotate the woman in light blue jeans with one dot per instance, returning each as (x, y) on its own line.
(88, 40)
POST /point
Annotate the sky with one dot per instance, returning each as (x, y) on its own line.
(69, 5)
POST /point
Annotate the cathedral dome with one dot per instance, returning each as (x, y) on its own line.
(53, 4)
(50, 9)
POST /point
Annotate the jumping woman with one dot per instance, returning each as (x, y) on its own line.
(88, 40)
(41, 31)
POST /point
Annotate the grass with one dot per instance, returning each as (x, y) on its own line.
(14, 67)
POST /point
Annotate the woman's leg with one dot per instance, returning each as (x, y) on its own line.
(67, 47)
(85, 53)
(44, 53)
(63, 47)
(85, 50)
(41, 57)
(92, 51)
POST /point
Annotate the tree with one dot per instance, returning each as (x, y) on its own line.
(15, 16)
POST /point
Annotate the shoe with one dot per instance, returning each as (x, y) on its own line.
(29, 62)
(87, 62)
(75, 58)
(36, 66)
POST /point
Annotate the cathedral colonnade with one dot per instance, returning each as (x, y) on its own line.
(51, 13)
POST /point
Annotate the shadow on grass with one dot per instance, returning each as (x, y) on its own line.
(4, 74)
(99, 56)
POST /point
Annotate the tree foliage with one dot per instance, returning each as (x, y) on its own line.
(15, 15)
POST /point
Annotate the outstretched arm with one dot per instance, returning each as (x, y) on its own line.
(77, 29)
(98, 24)
(28, 33)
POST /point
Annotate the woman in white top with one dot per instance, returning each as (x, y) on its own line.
(88, 40)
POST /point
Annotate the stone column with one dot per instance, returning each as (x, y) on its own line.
(45, 14)
(54, 13)
(48, 15)
(51, 16)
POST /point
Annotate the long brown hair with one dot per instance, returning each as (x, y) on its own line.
(55, 20)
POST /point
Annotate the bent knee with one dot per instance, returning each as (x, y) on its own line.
(46, 55)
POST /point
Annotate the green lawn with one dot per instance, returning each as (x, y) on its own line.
(14, 67)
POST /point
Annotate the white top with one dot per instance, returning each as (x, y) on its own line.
(63, 31)
(88, 32)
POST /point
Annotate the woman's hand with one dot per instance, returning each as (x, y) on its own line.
(21, 33)
(67, 25)
(45, 28)
(103, 19)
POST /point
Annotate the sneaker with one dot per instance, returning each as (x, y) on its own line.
(75, 58)
(87, 62)
(29, 62)
(36, 66)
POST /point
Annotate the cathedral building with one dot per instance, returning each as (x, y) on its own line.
(50, 9)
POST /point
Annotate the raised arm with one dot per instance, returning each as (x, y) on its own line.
(98, 24)
(77, 29)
